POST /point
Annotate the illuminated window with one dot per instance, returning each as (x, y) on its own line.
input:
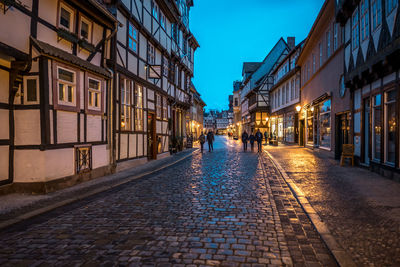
(94, 93)
(132, 37)
(85, 29)
(126, 102)
(66, 84)
(138, 108)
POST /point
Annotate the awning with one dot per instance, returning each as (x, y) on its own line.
(51, 51)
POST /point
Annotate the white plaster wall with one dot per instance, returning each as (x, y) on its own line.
(124, 146)
(135, 11)
(83, 53)
(158, 127)
(48, 11)
(14, 22)
(4, 122)
(93, 128)
(97, 33)
(4, 83)
(132, 145)
(142, 46)
(150, 94)
(121, 33)
(132, 63)
(66, 127)
(142, 71)
(150, 105)
(4, 162)
(127, 3)
(27, 127)
(49, 36)
(100, 156)
(121, 60)
(140, 145)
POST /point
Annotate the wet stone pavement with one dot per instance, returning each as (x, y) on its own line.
(225, 208)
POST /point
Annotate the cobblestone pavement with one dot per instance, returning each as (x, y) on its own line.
(360, 208)
(225, 208)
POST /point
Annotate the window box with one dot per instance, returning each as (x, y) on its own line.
(86, 45)
(67, 35)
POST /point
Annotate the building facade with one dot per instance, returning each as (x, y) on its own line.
(285, 97)
(325, 115)
(371, 71)
(196, 114)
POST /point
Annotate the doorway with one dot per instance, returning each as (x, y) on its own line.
(301, 132)
(151, 137)
(367, 112)
(343, 132)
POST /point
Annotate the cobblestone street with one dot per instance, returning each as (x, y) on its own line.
(361, 208)
(224, 208)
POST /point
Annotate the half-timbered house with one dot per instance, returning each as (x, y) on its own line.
(54, 91)
(371, 71)
(152, 61)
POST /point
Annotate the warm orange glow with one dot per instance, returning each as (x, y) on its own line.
(298, 108)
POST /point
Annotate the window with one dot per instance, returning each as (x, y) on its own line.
(377, 126)
(376, 13)
(364, 19)
(66, 17)
(158, 106)
(325, 124)
(85, 29)
(328, 44)
(174, 32)
(292, 91)
(126, 102)
(283, 95)
(83, 159)
(390, 6)
(139, 108)
(320, 55)
(155, 11)
(390, 126)
(287, 93)
(94, 93)
(297, 89)
(151, 58)
(313, 63)
(31, 93)
(132, 38)
(335, 36)
(310, 128)
(355, 30)
(184, 46)
(166, 67)
(163, 20)
(165, 108)
(66, 86)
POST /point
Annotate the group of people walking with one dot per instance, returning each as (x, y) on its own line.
(210, 141)
(252, 138)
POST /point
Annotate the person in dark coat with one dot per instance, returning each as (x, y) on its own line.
(202, 140)
(252, 138)
(245, 137)
(259, 138)
(210, 140)
(266, 137)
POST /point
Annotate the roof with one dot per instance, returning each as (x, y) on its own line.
(249, 67)
(51, 51)
(236, 86)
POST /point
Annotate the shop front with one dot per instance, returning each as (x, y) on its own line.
(318, 124)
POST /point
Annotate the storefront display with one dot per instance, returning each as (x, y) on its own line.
(325, 124)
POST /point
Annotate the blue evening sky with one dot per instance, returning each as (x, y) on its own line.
(231, 32)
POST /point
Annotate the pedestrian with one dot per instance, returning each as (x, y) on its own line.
(259, 138)
(252, 138)
(266, 137)
(210, 140)
(245, 138)
(202, 140)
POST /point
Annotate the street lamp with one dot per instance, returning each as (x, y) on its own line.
(298, 108)
(312, 109)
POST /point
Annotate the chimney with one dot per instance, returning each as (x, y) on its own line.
(291, 41)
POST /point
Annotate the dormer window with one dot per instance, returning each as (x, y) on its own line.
(85, 29)
(376, 13)
(66, 17)
(390, 6)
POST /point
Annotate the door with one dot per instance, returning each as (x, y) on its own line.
(343, 133)
(151, 137)
(367, 112)
(301, 132)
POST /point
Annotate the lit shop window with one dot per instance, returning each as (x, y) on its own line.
(390, 126)
(139, 108)
(126, 102)
(66, 86)
(377, 126)
(165, 108)
(158, 106)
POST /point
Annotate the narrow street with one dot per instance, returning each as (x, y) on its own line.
(225, 208)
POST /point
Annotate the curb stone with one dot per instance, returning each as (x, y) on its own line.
(340, 255)
(92, 192)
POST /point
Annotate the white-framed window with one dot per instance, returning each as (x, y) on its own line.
(31, 90)
(132, 38)
(328, 44)
(66, 85)
(126, 104)
(85, 29)
(156, 11)
(320, 54)
(376, 13)
(364, 19)
(151, 54)
(165, 108)
(335, 36)
(390, 6)
(158, 106)
(139, 108)
(94, 93)
(355, 30)
(66, 17)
